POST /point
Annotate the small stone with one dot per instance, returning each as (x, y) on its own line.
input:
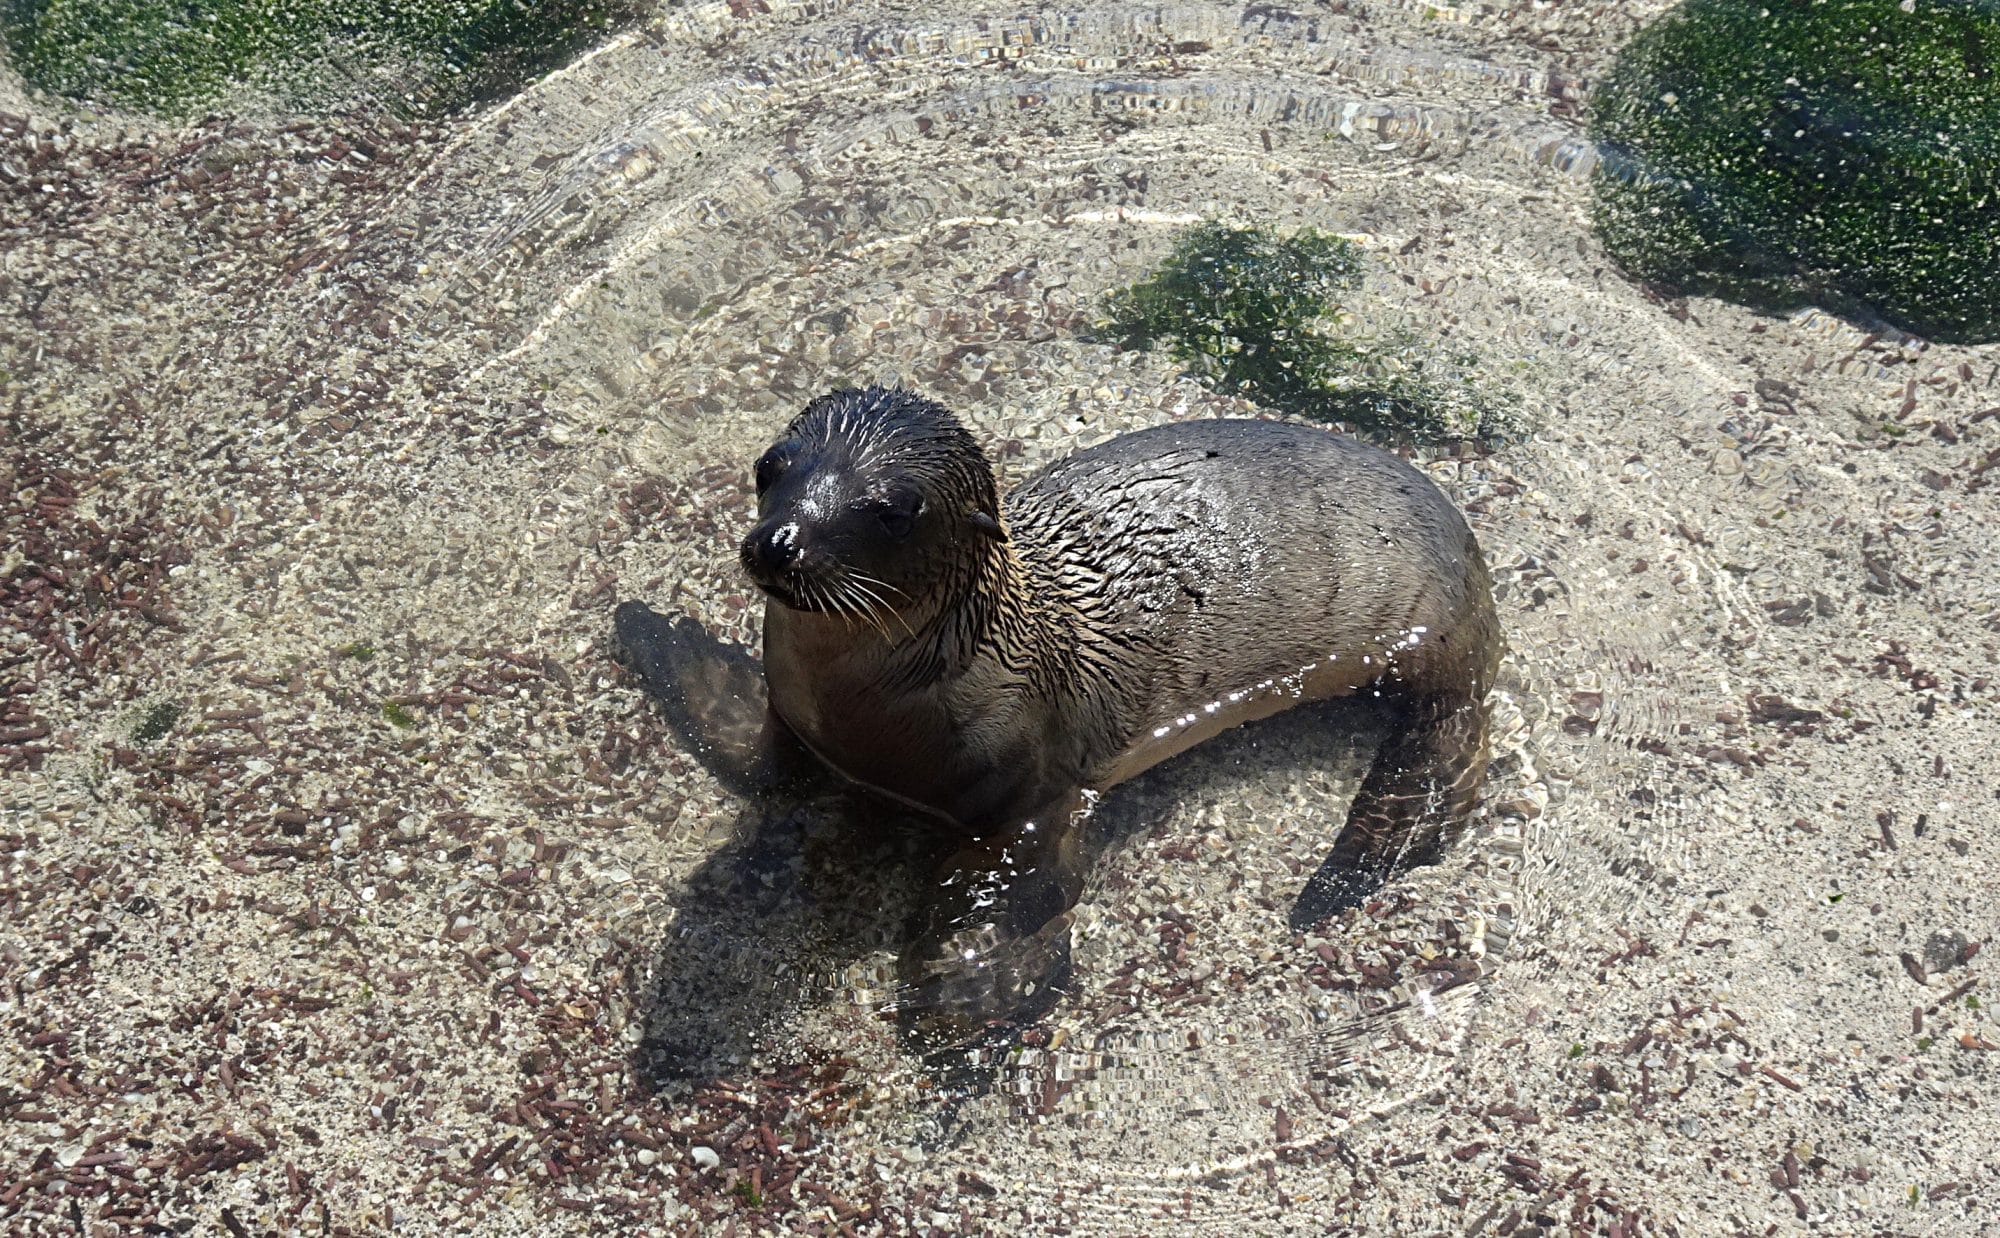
(704, 1157)
(1944, 951)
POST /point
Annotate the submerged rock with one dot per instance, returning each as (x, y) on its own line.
(1844, 154)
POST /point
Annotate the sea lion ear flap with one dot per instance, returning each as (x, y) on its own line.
(988, 524)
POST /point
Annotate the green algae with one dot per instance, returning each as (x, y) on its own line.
(1840, 153)
(1274, 319)
(156, 722)
(414, 57)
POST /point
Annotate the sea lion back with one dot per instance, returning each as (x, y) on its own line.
(1206, 558)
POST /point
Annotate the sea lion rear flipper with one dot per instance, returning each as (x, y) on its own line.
(714, 698)
(1423, 784)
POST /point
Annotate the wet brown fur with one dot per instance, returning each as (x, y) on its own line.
(1142, 595)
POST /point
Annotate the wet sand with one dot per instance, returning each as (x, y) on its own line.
(341, 440)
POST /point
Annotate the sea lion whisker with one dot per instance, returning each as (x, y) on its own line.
(864, 605)
(877, 603)
(883, 584)
(836, 600)
(847, 607)
(816, 593)
(863, 593)
(803, 590)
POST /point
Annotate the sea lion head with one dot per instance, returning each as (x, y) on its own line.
(871, 500)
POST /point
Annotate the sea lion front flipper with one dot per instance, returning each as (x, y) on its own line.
(994, 948)
(1422, 786)
(715, 700)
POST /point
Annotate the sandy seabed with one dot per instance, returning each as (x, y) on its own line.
(342, 870)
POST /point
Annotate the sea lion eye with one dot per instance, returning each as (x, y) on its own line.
(898, 511)
(771, 466)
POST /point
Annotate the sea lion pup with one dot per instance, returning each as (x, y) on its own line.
(990, 664)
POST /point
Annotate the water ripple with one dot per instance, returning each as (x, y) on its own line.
(720, 219)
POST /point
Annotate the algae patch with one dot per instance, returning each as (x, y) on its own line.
(416, 57)
(156, 722)
(1271, 318)
(1844, 153)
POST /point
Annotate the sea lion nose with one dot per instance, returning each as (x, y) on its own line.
(771, 548)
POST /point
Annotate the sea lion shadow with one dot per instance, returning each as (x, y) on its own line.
(812, 889)
(803, 888)
(815, 878)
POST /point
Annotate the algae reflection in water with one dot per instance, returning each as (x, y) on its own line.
(1844, 153)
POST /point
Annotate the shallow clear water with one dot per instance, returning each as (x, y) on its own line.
(596, 303)
(685, 241)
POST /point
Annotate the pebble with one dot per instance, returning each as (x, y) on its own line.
(1944, 951)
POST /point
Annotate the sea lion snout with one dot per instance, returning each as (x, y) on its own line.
(772, 547)
(772, 554)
